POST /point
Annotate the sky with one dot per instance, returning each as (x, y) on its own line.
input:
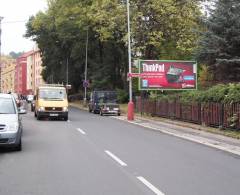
(16, 13)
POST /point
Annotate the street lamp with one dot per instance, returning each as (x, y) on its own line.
(130, 114)
(1, 18)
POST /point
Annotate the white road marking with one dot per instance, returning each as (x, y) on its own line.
(116, 158)
(150, 186)
(81, 131)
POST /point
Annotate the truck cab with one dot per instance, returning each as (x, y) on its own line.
(51, 102)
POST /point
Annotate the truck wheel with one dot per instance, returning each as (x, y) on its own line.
(38, 117)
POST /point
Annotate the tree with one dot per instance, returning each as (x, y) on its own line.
(165, 29)
(220, 44)
(61, 34)
(15, 55)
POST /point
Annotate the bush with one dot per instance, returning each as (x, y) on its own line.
(122, 96)
(221, 93)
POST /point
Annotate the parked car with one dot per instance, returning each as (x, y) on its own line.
(17, 99)
(104, 103)
(33, 105)
(30, 98)
(10, 122)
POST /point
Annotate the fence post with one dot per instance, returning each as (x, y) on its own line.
(221, 116)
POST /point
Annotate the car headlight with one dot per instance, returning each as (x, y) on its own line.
(65, 109)
(13, 127)
(41, 109)
(115, 108)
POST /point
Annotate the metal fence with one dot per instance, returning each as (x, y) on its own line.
(209, 114)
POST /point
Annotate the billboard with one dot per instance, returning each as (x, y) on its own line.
(167, 75)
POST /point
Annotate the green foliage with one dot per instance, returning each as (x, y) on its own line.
(228, 93)
(159, 29)
(122, 96)
(220, 44)
(233, 121)
(205, 77)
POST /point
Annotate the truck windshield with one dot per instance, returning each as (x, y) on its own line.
(52, 94)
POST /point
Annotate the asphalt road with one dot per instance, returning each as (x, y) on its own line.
(95, 155)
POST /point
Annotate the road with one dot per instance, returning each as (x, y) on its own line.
(95, 155)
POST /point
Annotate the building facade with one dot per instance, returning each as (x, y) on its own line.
(37, 69)
(8, 74)
(21, 75)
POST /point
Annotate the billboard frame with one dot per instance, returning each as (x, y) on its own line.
(166, 89)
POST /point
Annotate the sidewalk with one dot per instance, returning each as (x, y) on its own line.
(188, 131)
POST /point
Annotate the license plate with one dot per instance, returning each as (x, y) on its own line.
(53, 114)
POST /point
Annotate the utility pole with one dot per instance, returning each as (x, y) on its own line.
(1, 18)
(67, 71)
(67, 76)
(130, 114)
(85, 74)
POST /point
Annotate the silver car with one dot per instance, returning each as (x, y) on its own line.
(10, 122)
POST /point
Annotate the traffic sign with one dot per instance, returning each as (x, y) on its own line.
(85, 83)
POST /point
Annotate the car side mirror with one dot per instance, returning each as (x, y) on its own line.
(22, 111)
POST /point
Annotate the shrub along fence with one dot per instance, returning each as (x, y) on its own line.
(209, 114)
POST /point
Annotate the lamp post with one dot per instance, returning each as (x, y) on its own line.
(130, 114)
(1, 18)
(85, 73)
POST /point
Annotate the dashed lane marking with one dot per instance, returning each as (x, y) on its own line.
(116, 158)
(150, 186)
(81, 131)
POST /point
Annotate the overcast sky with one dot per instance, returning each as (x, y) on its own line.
(16, 13)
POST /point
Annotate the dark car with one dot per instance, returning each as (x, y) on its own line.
(104, 103)
(17, 99)
(33, 105)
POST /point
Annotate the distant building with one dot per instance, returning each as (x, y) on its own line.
(37, 69)
(30, 73)
(7, 74)
(21, 74)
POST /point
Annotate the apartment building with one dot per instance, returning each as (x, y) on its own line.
(37, 68)
(7, 74)
(21, 74)
(28, 72)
